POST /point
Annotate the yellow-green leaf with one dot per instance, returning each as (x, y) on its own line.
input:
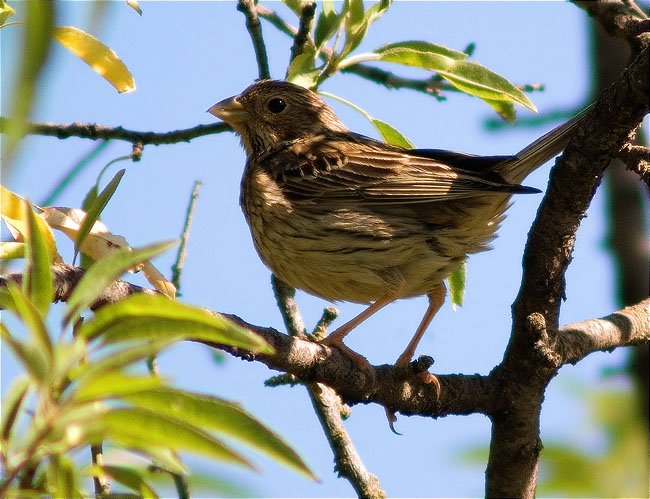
(206, 411)
(24, 308)
(146, 317)
(38, 276)
(11, 402)
(11, 251)
(5, 12)
(129, 477)
(113, 385)
(135, 6)
(96, 207)
(456, 282)
(98, 56)
(106, 270)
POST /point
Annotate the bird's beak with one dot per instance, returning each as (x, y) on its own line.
(229, 110)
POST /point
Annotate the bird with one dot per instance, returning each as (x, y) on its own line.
(349, 218)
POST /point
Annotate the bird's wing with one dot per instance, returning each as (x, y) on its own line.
(341, 170)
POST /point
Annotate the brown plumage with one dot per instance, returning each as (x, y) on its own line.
(346, 217)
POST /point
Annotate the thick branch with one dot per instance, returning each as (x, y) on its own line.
(304, 28)
(524, 373)
(94, 131)
(637, 159)
(620, 18)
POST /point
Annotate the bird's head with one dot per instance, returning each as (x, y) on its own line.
(269, 112)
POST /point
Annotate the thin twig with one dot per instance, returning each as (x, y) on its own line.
(95, 131)
(247, 7)
(304, 28)
(177, 268)
(328, 407)
(101, 484)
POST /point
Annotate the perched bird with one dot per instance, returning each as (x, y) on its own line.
(346, 217)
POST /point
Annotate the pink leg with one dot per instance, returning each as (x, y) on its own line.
(336, 338)
(436, 299)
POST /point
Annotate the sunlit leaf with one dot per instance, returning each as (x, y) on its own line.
(11, 402)
(116, 360)
(97, 55)
(391, 134)
(136, 427)
(96, 208)
(98, 243)
(158, 280)
(145, 317)
(32, 360)
(456, 282)
(23, 307)
(505, 109)
(62, 477)
(134, 5)
(39, 18)
(205, 411)
(413, 48)
(38, 276)
(127, 476)
(327, 24)
(470, 77)
(302, 71)
(13, 213)
(10, 250)
(113, 385)
(103, 272)
(5, 12)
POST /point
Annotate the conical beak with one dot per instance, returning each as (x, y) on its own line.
(229, 110)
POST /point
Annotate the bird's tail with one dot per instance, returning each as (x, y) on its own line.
(516, 169)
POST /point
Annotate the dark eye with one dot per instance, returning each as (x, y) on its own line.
(276, 105)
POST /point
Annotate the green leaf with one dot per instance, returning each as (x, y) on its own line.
(456, 282)
(62, 477)
(98, 56)
(295, 6)
(115, 361)
(32, 319)
(31, 359)
(391, 134)
(5, 12)
(328, 23)
(205, 411)
(470, 77)
(138, 428)
(113, 385)
(38, 278)
(127, 476)
(11, 251)
(146, 317)
(11, 403)
(96, 207)
(105, 271)
(505, 109)
(356, 25)
(302, 71)
(413, 47)
(39, 19)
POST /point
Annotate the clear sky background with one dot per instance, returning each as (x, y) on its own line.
(186, 56)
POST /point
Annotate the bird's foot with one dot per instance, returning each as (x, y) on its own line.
(358, 359)
(420, 368)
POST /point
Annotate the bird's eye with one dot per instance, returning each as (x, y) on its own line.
(276, 105)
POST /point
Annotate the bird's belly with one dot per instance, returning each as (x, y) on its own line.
(346, 253)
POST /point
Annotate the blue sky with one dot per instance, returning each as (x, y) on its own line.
(186, 56)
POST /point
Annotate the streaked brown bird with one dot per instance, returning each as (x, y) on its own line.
(346, 217)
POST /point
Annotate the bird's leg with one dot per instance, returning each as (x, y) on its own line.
(335, 339)
(436, 299)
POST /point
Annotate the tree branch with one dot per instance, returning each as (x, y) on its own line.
(623, 19)
(524, 373)
(304, 28)
(328, 408)
(247, 7)
(637, 159)
(94, 131)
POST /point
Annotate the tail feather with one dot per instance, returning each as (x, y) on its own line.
(531, 157)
